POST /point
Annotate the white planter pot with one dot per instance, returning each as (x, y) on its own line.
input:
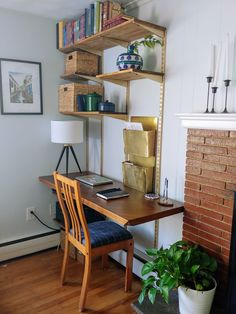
(195, 302)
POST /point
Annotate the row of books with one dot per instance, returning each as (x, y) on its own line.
(99, 16)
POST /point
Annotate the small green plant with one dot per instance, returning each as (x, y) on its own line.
(180, 265)
(149, 41)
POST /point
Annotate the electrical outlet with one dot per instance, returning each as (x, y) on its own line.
(52, 211)
(29, 216)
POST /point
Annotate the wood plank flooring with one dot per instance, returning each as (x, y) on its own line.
(31, 285)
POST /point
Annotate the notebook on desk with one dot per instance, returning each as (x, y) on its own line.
(93, 179)
(112, 193)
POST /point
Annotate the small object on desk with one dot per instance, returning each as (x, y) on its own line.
(151, 196)
(112, 194)
(165, 201)
(94, 179)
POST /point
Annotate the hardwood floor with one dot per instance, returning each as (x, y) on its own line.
(32, 285)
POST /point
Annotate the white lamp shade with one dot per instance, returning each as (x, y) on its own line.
(67, 132)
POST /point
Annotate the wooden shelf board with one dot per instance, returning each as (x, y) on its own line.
(132, 29)
(75, 77)
(97, 114)
(122, 77)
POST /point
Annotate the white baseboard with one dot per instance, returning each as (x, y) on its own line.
(29, 246)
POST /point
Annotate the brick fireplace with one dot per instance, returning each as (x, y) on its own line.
(210, 183)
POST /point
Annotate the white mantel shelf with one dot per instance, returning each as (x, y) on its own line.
(212, 121)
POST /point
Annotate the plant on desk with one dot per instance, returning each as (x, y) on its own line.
(185, 267)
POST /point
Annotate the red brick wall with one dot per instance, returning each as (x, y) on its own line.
(210, 181)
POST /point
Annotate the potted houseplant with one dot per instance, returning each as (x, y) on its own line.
(131, 58)
(183, 266)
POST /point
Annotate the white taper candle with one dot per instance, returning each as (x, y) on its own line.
(227, 58)
(212, 61)
(217, 71)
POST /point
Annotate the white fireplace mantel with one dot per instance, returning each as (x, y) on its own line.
(212, 121)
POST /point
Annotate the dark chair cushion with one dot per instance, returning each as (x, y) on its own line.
(106, 232)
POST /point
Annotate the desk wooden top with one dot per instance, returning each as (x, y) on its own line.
(132, 210)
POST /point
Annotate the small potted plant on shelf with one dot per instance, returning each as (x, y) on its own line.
(183, 266)
(131, 58)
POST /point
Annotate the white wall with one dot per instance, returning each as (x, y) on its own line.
(25, 148)
(191, 27)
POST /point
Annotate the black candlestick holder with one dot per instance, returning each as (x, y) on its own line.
(209, 80)
(227, 83)
(214, 91)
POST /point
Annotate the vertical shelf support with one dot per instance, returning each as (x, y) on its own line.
(159, 133)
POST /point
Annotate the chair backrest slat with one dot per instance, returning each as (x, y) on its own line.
(68, 193)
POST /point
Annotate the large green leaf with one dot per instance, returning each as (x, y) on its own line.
(142, 296)
(152, 294)
(194, 269)
(147, 268)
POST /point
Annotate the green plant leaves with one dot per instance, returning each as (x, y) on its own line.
(152, 294)
(149, 41)
(147, 268)
(194, 269)
(180, 264)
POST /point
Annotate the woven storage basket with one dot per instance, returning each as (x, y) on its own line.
(81, 62)
(68, 95)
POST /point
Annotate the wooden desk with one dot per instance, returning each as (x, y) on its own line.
(132, 210)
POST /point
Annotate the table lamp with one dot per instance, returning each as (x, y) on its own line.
(67, 133)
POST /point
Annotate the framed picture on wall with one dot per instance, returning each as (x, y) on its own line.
(20, 87)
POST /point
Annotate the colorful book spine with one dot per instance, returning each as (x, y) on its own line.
(96, 16)
(82, 27)
(91, 32)
(64, 36)
(87, 20)
(76, 30)
(101, 16)
(61, 25)
(106, 12)
(70, 33)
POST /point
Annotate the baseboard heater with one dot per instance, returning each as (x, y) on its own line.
(139, 259)
(28, 245)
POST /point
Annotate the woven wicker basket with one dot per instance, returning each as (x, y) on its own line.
(68, 95)
(81, 62)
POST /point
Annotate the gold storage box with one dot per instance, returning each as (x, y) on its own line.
(68, 95)
(137, 177)
(81, 62)
(139, 143)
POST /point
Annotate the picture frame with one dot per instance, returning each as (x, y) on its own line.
(20, 87)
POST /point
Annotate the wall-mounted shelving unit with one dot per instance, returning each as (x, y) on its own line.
(130, 30)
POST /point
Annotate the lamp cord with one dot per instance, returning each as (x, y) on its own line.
(33, 213)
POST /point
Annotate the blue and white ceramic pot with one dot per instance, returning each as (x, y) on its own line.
(129, 60)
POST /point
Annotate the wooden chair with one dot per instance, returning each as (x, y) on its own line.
(94, 239)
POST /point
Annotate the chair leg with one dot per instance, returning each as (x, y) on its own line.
(129, 266)
(85, 283)
(104, 261)
(65, 260)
